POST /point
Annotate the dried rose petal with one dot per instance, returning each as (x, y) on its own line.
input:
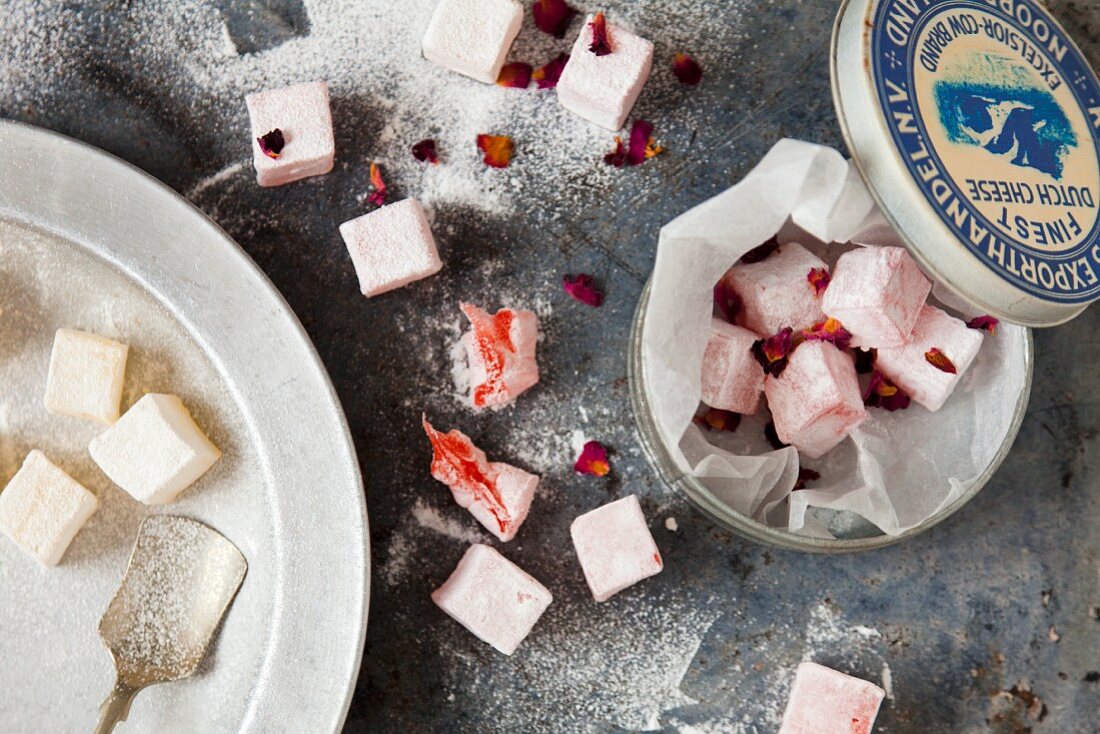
(819, 280)
(719, 420)
(984, 323)
(272, 143)
(940, 361)
(516, 75)
(686, 69)
(881, 393)
(547, 76)
(601, 43)
(616, 157)
(593, 460)
(652, 149)
(865, 361)
(758, 254)
(772, 352)
(829, 330)
(582, 288)
(805, 476)
(498, 149)
(728, 302)
(378, 196)
(553, 16)
(641, 133)
(425, 151)
(773, 436)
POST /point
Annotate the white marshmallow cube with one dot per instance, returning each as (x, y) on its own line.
(155, 450)
(301, 112)
(43, 508)
(85, 376)
(603, 89)
(826, 701)
(493, 598)
(472, 37)
(391, 247)
(615, 547)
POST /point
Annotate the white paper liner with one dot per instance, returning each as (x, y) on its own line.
(898, 469)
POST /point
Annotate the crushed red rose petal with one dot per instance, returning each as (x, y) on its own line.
(760, 253)
(829, 330)
(984, 323)
(601, 42)
(498, 149)
(773, 436)
(553, 16)
(516, 75)
(940, 361)
(772, 353)
(547, 76)
(687, 69)
(378, 196)
(425, 151)
(582, 288)
(881, 393)
(719, 420)
(272, 143)
(616, 157)
(593, 460)
(819, 279)
(805, 476)
(640, 147)
(728, 302)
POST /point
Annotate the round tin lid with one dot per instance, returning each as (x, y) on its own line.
(975, 124)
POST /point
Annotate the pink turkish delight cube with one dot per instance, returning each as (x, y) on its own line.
(493, 598)
(825, 701)
(732, 377)
(776, 292)
(472, 37)
(615, 547)
(391, 247)
(301, 113)
(877, 293)
(498, 495)
(500, 356)
(910, 368)
(816, 401)
(603, 89)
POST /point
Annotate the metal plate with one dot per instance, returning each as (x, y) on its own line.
(205, 322)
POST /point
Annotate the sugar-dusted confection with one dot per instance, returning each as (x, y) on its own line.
(776, 292)
(85, 376)
(816, 401)
(615, 547)
(877, 293)
(603, 89)
(825, 701)
(909, 367)
(732, 377)
(391, 247)
(155, 450)
(472, 37)
(43, 508)
(500, 354)
(498, 495)
(493, 598)
(303, 118)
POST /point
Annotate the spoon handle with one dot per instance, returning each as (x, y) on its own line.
(116, 708)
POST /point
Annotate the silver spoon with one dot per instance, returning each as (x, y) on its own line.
(181, 579)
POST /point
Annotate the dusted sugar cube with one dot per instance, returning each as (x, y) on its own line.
(85, 376)
(929, 366)
(43, 508)
(732, 377)
(824, 701)
(472, 37)
(877, 293)
(303, 145)
(391, 247)
(603, 89)
(498, 495)
(615, 547)
(816, 401)
(155, 450)
(493, 598)
(499, 351)
(776, 292)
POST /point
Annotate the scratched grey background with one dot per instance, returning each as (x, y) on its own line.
(961, 610)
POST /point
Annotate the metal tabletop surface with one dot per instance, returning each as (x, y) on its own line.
(988, 623)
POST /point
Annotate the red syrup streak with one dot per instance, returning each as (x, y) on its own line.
(492, 339)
